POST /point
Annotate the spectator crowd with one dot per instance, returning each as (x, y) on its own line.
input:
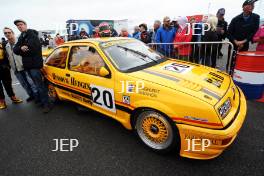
(23, 55)
(171, 37)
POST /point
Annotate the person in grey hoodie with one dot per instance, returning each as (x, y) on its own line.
(17, 66)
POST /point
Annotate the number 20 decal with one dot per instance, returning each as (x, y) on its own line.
(103, 97)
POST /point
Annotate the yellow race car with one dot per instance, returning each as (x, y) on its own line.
(170, 104)
(46, 52)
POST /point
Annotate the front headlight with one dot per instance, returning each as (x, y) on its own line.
(225, 108)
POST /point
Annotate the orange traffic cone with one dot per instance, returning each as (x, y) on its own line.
(261, 99)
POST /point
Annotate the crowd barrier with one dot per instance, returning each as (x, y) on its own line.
(205, 53)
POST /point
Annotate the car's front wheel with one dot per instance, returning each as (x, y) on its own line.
(156, 131)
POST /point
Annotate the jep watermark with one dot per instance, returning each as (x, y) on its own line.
(65, 145)
(194, 143)
(130, 87)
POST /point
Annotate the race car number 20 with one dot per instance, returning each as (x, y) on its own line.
(103, 97)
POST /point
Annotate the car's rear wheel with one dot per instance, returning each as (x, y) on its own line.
(52, 93)
(156, 131)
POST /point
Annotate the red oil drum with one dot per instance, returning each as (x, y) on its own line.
(250, 61)
(261, 99)
(249, 73)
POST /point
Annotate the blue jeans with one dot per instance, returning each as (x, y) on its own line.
(27, 83)
(37, 78)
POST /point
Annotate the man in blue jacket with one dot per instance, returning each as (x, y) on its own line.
(136, 33)
(166, 34)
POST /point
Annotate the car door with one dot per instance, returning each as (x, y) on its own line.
(55, 70)
(91, 89)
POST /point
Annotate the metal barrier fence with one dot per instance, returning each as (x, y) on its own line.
(205, 53)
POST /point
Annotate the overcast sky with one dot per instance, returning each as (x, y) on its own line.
(49, 14)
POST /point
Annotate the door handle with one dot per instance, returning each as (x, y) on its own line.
(68, 75)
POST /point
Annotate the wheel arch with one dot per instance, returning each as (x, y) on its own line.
(138, 110)
(151, 105)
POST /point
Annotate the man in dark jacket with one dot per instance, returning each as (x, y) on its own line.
(83, 34)
(221, 28)
(209, 51)
(5, 79)
(243, 27)
(113, 31)
(28, 46)
(144, 35)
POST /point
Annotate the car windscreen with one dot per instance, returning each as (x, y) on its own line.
(132, 56)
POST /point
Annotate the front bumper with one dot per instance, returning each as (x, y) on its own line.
(203, 143)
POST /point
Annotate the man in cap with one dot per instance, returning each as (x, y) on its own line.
(28, 46)
(221, 28)
(243, 27)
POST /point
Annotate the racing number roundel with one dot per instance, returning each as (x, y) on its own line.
(103, 97)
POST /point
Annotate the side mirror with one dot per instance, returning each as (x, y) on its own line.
(103, 72)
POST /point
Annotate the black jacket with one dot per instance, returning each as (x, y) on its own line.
(4, 62)
(209, 51)
(31, 59)
(114, 33)
(145, 37)
(239, 29)
(222, 24)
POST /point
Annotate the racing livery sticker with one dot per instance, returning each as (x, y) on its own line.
(214, 79)
(151, 92)
(179, 68)
(71, 81)
(126, 99)
(103, 97)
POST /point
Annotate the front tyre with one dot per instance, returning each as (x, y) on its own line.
(156, 131)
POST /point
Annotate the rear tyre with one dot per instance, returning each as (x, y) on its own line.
(52, 93)
(156, 131)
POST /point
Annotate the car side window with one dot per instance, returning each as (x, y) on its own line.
(58, 57)
(85, 59)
